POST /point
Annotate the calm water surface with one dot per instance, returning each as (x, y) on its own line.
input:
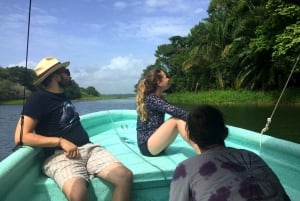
(285, 122)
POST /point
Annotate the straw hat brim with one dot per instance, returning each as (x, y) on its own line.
(50, 71)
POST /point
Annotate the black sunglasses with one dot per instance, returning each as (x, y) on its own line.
(64, 70)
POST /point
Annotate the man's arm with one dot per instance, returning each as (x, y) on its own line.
(33, 139)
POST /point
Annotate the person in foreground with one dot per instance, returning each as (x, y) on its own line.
(153, 133)
(50, 121)
(220, 172)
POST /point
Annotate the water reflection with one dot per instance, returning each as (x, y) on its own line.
(284, 124)
(100, 105)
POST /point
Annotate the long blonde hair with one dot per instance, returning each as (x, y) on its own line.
(146, 85)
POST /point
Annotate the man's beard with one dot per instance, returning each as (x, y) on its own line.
(65, 83)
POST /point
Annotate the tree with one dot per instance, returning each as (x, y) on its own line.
(92, 91)
(15, 80)
(277, 42)
(10, 91)
(73, 91)
(23, 76)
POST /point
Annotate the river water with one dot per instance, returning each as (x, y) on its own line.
(285, 122)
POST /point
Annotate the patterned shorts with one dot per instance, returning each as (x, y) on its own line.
(93, 159)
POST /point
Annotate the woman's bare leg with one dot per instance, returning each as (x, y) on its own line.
(166, 134)
(182, 130)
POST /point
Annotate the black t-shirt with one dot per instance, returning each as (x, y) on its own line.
(57, 117)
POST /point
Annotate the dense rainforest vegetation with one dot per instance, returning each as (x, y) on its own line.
(242, 45)
(13, 80)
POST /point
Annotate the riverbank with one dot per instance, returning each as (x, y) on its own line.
(234, 97)
(216, 97)
(85, 98)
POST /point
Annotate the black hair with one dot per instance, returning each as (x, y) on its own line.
(205, 126)
(47, 80)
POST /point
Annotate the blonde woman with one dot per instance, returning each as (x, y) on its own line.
(153, 133)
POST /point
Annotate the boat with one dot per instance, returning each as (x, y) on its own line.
(21, 177)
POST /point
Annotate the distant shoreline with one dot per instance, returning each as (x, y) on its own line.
(87, 98)
(236, 97)
(216, 97)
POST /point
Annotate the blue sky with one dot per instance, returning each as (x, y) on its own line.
(108, 42)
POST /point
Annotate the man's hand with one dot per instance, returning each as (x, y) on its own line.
(70, 149)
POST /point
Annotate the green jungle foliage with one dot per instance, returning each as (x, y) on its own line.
(235, 97)
(15, 82)
(242, 45)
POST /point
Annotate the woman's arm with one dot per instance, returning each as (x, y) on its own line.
(156, 103)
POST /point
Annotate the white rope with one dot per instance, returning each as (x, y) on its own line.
(269, 119)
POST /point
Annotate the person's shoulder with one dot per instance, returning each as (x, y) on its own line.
(35, 94)
(39, 95)
(244, 152)
(192, 160)
(151, 97)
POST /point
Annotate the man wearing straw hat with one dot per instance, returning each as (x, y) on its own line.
(51, 122)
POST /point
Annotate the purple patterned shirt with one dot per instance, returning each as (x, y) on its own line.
(226, 174)
(156, 110)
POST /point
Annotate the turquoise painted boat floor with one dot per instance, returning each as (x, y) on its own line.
(151, 174)
(121, 141)
(275, 152)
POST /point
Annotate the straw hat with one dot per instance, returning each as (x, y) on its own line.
(46, 67)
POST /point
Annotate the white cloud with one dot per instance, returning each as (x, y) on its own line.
(120, 4)
(95, 35)
(157, 3)
(168, 6)
(30, 64)
(199, 10)
(119, 76)
(159, 26)
(155, 28)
